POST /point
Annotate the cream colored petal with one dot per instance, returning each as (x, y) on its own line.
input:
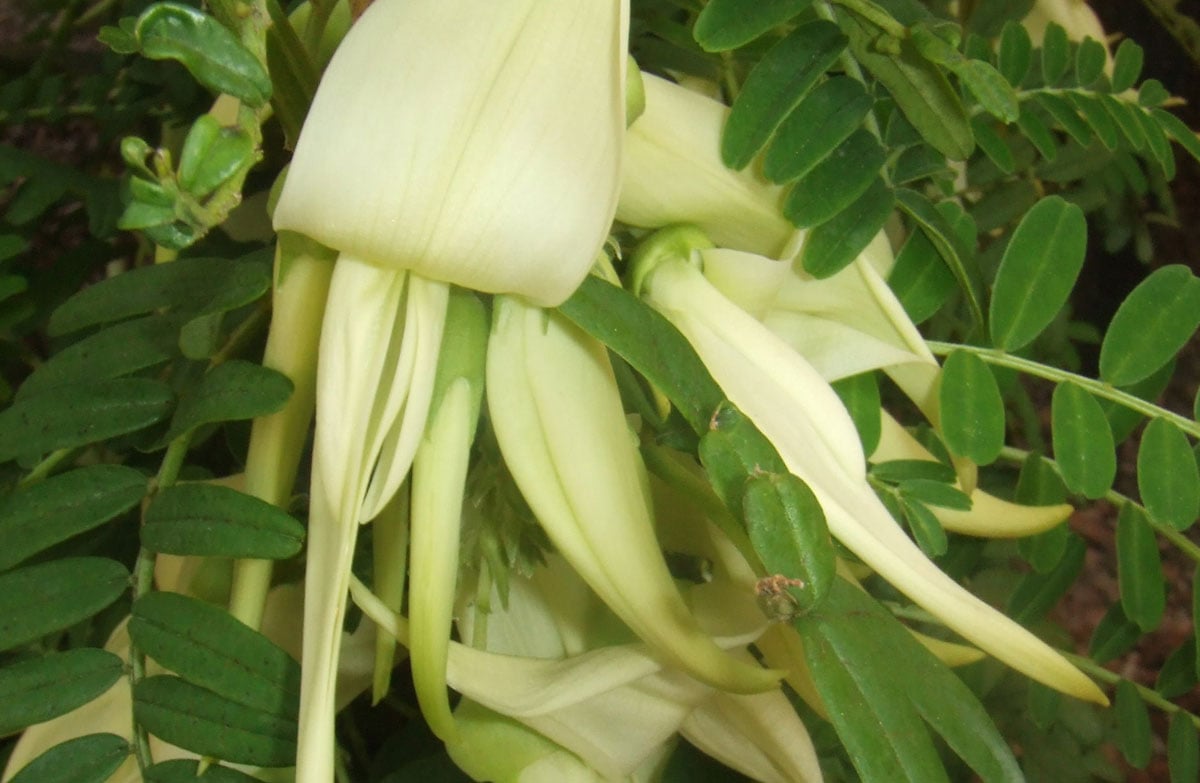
(758, 735)
(814, 435)
(475, 143)
(989, 516)
(672, 173)
(561, 427)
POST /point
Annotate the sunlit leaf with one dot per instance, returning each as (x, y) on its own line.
(1139, 569)
(1167, 475)
(1038, 272)
(972, 411)
(729, 24)
(1083, 442)
(1151, 325)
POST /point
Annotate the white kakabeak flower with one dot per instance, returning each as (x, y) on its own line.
(559, 420)
(803, 418)
(450, 142)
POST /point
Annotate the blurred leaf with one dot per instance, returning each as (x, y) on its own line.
(1156, 141)
(1097, 117)
(1139, 569)
(1178, 130)
(38, 689)
(1177, 675)
(208, 647)
(925, 527)
(776, 86)
(918, 86)
(1183, 749)
(1152, 93)
(1151, 325)
(187, 771)
(860, 394)
(824, 119)
(1133, 725)
(1056, 54)
(944, 233)
(730, 24)
(92, 758)
(1125, 116)
(1083, 443)
(1015, 54)
(215, 521)
(199, 720)
(1127, 65)
(232, 391)
(907, 469)
(833, 245)
(1045, 705)
(992, 145)
(40, 599)
(920, 278)
(972, 411)
(1038, 134)
(1090, 59)
(1038, 272)
(1065, 114)
(834, 183)
(1167, 475)
(190, 285)
(210, 52)
(58, 508)
(1114, 636)
(1037, 594)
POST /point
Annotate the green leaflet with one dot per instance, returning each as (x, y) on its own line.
(66, 505)
(1139, 569)
(210, 52)
(1015, 55)
(40, 599)
(1133, 725)
(1167, 475)
(1151, 325)
(925, 527)
(1097, 117)
(1127, 65)
(935, 493)
(1090, 59)
(1083, 442)
(76, 415)
(42, 688)
(192, 286)
(232, 391)
(920, 278)
(199, 720)
(918, 87)
(888, 688)
(110, 353)
(823, 120)
(833, 245)
(1114, 636)
(1056, 54)
(860, 394)
(208, 647)
(1183, 749)
(1037, 593)
(947, 234)
(211, 155)
(1038, 272)
(899, 470)
(215, 521)
(775, 87)
(787, 527)
(729, 24)
(836, 182)
(972, 411)
(92, 758)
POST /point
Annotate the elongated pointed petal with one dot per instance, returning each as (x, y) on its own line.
(814, 435)
(672, 173)
(989, 516)
(561, 427)
(476, 143)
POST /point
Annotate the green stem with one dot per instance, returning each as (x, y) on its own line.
(46, 467)
(1097, 388)
(1181, 541)
(875, 15)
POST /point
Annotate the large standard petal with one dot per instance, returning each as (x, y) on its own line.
(791, 405)
(476, 143)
